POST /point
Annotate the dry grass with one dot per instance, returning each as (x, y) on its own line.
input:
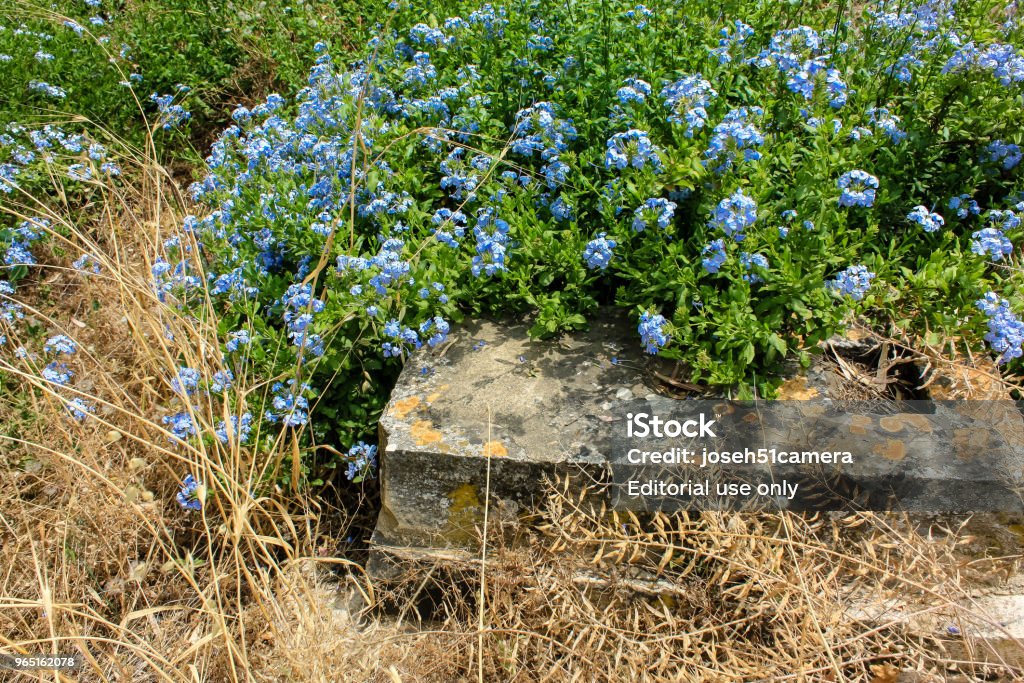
(596, 595)
(95, 556)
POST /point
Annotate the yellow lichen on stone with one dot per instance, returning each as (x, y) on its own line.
(859, 424)
(893, 449)
(405, 406)
(494, 448)
(891, 423)
(796, 389)
(465, 512)
(423, 433)
(919, 422)
(896, 423)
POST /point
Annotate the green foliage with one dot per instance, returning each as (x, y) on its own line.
(741, 175)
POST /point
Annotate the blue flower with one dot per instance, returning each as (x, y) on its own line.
(492, 19)
(402, 338)
(749, 263)
(687, 99)
(836, 88)
(60, 344)
(652, 334)
(631, 148)
(437, 328)
(238, 429)
(640, 14)
(732, 39)
(171, 115)
(57, 373)
(424, 35)
(79, 409)
(1003, 220)
(492, 240)
(734, 135)
(1005, 330)
(181, 425)
(1000, 59)
(541, 43)
(238, 338)
(598, 253)
(221, 381)
(858, 188)
(714, 256)
(734, 214)
(188, 496)
(992, 243)
(655, 209)
(926, 219)
(561, 210)
(964, 206)
(853, 282)
(45, 88)
(1006, 154)
(362, 461)
(633, 91)
(186, 381)
(887, 123)
(289, 404)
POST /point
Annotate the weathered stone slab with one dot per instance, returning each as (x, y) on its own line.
(557, 408)
(534, 406)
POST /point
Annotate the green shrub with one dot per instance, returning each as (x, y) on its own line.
(741, 176)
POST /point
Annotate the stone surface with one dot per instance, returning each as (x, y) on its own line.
(534, 407)
(987, 626)
(486, 418)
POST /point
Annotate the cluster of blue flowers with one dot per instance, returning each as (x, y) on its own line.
(992, 241)
(60, 151)
(734, 214)
(652, 333)
(633, 91)
(1007, 155)
(300, 309)
(799, 54)
(289, 404)
(882, 119)
(639, 14)
(48, 89)
(853, 282)
(188, 496)
(632, 148)
(492, 239)
(928, 220)
(1005, 329)
(733, 136)
(598, 253)
(657, 211)
(362, 461)
(714, 256)
(999, 59)
(964, 206)
(751, 264)
(732, 42)
(858, 188)
(181, 426)
(236, 430)
(171, 115)
(687, 101)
